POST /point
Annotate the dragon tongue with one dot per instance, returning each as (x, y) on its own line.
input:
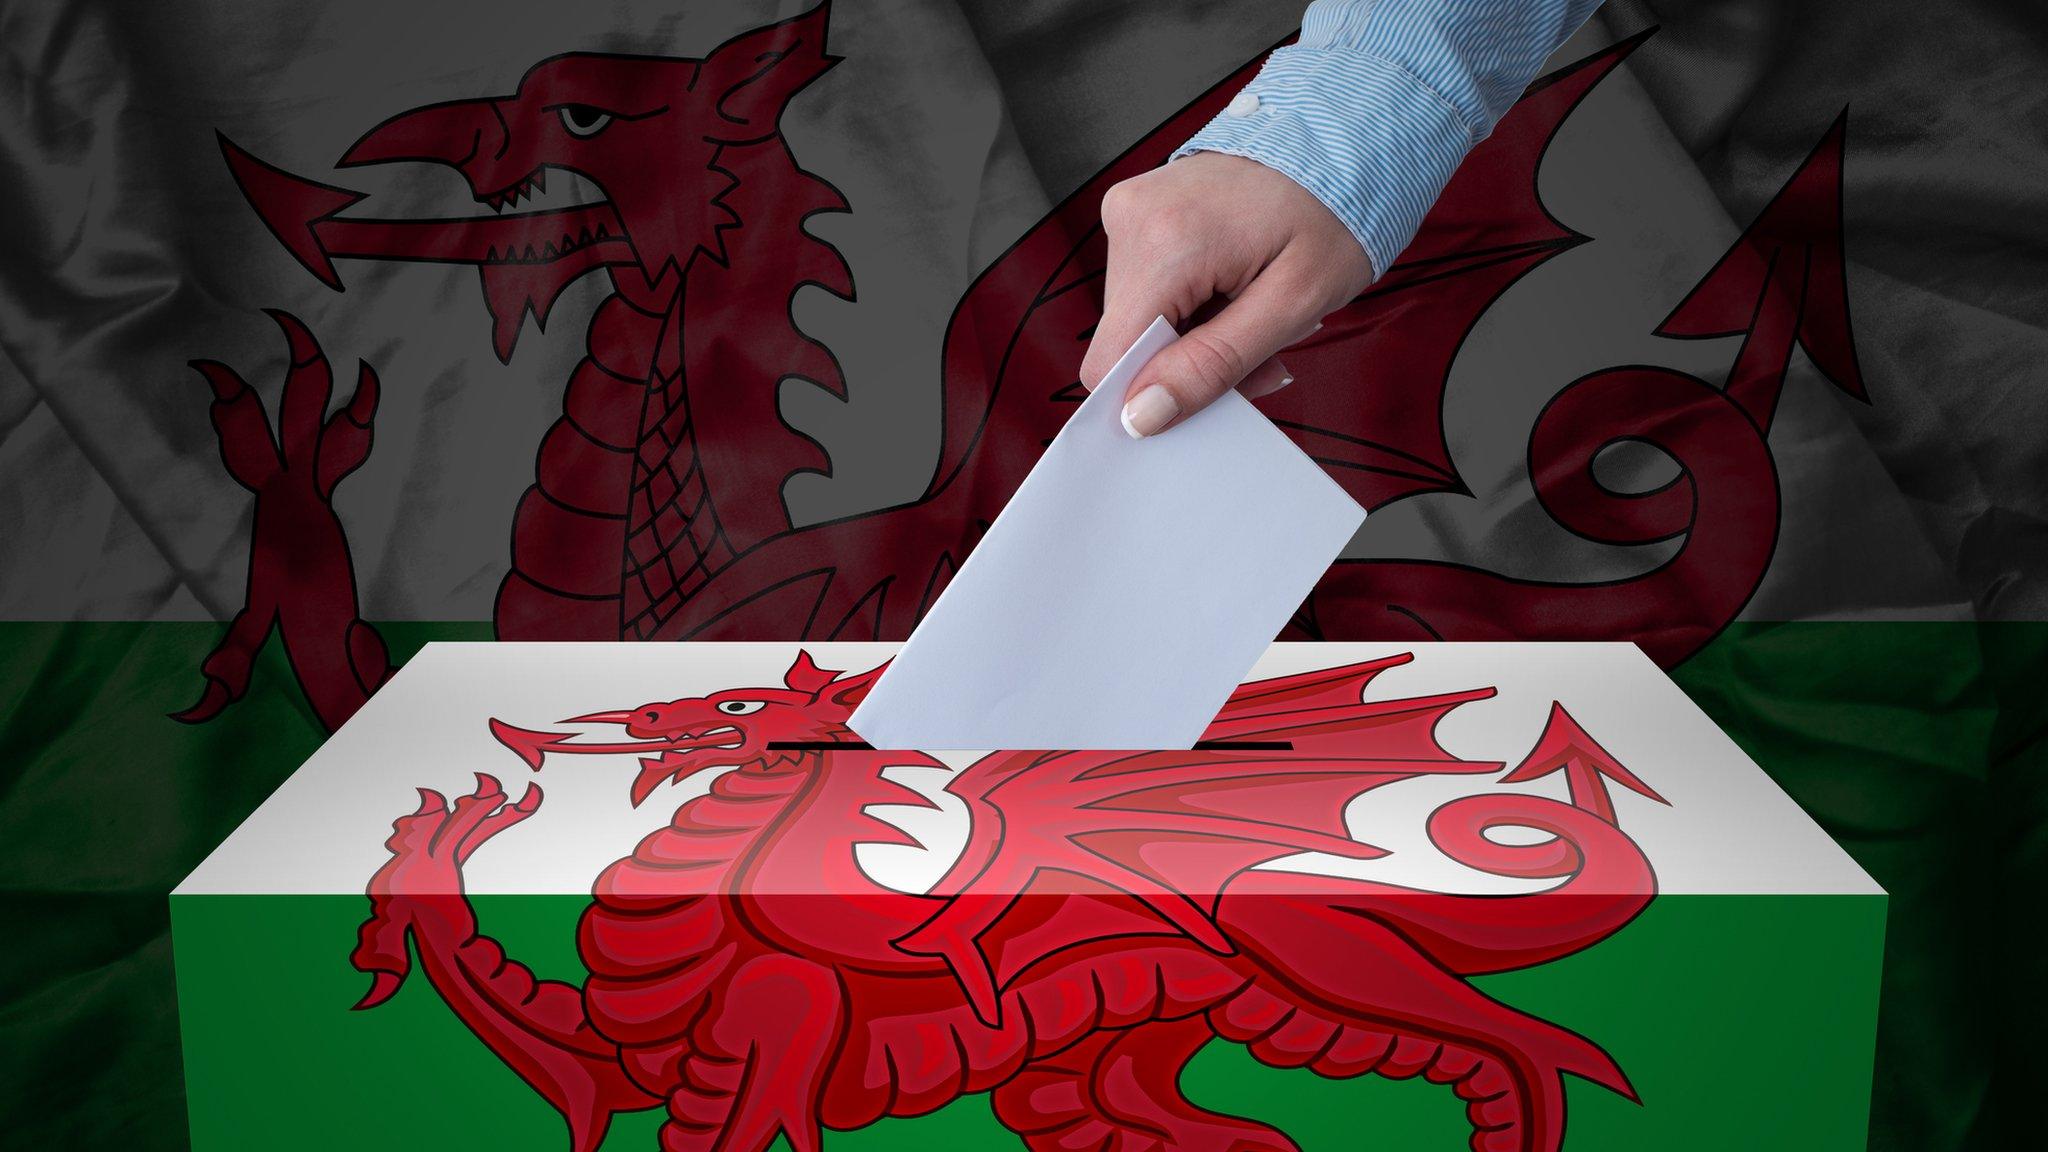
(291, 206)
(526, 258)
(526, 236)
(530, 744)
(305, 216)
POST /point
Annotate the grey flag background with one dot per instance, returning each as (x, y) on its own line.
(952, 127)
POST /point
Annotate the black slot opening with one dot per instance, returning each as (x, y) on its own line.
(820, 746)
(864, 746)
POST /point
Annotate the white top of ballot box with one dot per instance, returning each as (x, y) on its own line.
(1420, 751)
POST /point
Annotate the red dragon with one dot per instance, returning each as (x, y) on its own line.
(1106, 918)
(657, 509)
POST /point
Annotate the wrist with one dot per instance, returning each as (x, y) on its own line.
(1363, 136)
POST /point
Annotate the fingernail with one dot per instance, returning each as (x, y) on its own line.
(1284, 382)
(1150, 411)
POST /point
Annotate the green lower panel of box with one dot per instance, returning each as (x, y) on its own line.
(1738, 1021)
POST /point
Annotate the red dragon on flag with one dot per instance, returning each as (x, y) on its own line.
(1105, 919)
(656, 510)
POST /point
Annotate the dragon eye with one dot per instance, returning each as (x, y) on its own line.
(584, 120)
(740, 707)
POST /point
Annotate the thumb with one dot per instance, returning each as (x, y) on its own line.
(1212, 358)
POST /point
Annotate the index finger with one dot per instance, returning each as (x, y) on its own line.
(1134, 293)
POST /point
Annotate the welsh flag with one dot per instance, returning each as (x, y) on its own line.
(332, 330)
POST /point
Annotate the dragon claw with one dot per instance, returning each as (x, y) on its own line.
(216, 697)
(299, 556)
(429, 847)
(304, 349)
(363, 405)
(382, 986)
(226, 384)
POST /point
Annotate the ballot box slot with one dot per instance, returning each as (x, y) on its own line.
(863, 746)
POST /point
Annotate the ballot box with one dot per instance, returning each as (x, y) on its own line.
(563, 897)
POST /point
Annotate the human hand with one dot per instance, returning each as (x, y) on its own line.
(1206, 230)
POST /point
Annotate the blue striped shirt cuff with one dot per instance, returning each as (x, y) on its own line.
(1361, 133)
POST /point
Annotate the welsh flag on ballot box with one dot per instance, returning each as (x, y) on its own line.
(741, 321)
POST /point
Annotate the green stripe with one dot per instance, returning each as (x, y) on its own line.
(1923, 749)
(1667, 998)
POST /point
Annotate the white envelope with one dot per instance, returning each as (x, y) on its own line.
(1126, 589)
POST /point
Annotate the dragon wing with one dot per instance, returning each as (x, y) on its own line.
(1371, 406)
(1161, 833)
(1372, 409)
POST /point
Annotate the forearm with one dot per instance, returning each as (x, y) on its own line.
(1379, 101)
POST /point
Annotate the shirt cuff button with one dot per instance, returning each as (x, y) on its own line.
(1243, 104)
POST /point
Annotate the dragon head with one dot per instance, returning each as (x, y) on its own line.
(755, 729)
(651, 134)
